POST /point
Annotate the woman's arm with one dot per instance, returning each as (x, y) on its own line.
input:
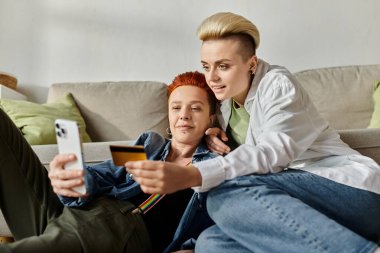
(283, 125)
(163, 177)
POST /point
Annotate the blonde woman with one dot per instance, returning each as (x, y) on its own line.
(287, 182)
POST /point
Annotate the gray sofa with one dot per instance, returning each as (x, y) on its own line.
(116, 112)
(343, 95)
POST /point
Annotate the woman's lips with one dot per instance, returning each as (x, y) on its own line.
(218, 88)
(184, 127)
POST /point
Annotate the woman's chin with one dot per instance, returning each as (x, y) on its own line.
(220, 96)
(186, 138)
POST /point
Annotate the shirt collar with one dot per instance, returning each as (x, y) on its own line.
(262, 69)
(200, 151)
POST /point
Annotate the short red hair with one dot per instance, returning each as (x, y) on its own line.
(193, 79)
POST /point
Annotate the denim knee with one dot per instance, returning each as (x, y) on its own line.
(202, 241)
(228, 192)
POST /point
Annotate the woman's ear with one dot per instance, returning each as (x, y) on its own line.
(253, 64)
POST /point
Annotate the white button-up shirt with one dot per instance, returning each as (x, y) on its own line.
(286, 131)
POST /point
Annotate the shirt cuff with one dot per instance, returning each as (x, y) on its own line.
(212, 173)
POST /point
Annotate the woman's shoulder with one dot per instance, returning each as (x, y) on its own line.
(278, 76)
(151, 140)
(278, 80)
(203, 153)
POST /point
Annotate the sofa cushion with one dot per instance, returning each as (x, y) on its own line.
(118, 110)
(342, 94)
(365, 141)
(375, 120)
(36, 121)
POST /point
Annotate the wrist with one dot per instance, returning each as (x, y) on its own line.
(195, 176)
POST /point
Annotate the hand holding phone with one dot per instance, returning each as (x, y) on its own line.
(69, 141)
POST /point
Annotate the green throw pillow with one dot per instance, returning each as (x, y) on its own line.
(36, 121)
(375, 120)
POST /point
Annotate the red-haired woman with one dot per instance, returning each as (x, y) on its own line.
(99, 223)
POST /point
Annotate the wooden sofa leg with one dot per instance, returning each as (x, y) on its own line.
(6, 239)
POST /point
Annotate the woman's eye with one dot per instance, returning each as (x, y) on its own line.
(205, 68)
(176, 108)
(223, 67)
(197, 109)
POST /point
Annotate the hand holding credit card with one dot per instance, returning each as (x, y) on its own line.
(123, 154)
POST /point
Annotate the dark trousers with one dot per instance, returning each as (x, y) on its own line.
(38, 220)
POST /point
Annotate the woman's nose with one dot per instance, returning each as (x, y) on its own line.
(213, 75)
(185, 115)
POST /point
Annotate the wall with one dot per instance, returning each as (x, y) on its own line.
(43, 42)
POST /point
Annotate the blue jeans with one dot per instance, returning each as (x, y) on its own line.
(292, 211)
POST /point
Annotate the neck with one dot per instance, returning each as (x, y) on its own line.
(240, 99)
(181, 153)
(237, 104)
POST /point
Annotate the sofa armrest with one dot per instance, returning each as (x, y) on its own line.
(93, 152)
(366, 141)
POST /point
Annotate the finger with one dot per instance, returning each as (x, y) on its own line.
(67, 193)
(65, 174)
(134, 165)
(141, 173)
(216, 145)
(221, 146)
(223, 136)
(212, 131)
(217, 132)
(67, 184)
(143, 165)
(152, 189)
(61, 159)
(211, 146)
(162, 185)
(149, 181)
(154, 170)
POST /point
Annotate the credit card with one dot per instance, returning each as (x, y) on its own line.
(123, 154)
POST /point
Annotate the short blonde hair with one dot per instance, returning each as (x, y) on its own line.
(224, 24)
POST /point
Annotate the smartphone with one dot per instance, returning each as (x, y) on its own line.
(69, 141)
(123, 154)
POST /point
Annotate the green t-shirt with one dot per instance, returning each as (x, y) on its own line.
(238, 123)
